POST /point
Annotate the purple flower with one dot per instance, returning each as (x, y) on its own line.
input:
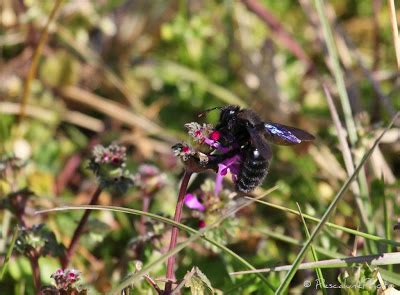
(232, 165)
(182, 150)
(209, 153)
(147, 170)
(192, 202)
(149, 179)
(113, 154)
(73, 275)
(212, 141)
(198, 132)
(205, 134)
(65, 278)
(108, 164)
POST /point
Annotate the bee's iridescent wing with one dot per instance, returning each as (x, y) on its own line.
(260, 142)
(284, 135)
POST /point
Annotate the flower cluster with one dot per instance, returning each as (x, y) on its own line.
(149, 179)
(38, 240)
(204, 134)
(209, 153)
(185, 152)
(66, 278)
(113, 154)
(108, 164)
(198, 132)
(206, 207)
(65, 281)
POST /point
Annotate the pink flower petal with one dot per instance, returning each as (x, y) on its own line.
(232, 164)
(218, 183)
(192, 202)
(215, 135)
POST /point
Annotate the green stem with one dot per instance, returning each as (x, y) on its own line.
(318, 271)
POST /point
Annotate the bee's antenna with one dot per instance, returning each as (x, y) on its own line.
(207, 111)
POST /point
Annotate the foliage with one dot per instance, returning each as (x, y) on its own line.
(110, 86)
(38, 239)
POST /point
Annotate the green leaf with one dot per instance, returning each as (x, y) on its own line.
(40, 238)
(198, 282)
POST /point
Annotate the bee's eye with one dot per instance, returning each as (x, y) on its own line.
(231, 113)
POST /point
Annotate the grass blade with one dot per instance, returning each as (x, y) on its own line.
(386, 218)
(373, 260)
(35, 60)
(289, 240)
(289, 276)
(9, 252)
(395, 30)
(337, 72)
(131, 279)
(349, 164)
(181, 226)
(333, 225)
(362, 198)
(390, 277)
(314, 253)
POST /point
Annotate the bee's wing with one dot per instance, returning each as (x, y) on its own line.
(260, 142)
(284, 135)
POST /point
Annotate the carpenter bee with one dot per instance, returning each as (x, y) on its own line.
(245, 134)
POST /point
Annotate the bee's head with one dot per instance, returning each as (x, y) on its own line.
(228, 117)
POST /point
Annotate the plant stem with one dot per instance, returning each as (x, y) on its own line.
(153, 284)
(142, 226)
(34, 261)
(145, 208)
(79, 230)
(175, 230)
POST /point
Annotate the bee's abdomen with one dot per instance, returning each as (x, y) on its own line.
(253, 170)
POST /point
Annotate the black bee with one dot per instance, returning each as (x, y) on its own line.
(246, 134)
